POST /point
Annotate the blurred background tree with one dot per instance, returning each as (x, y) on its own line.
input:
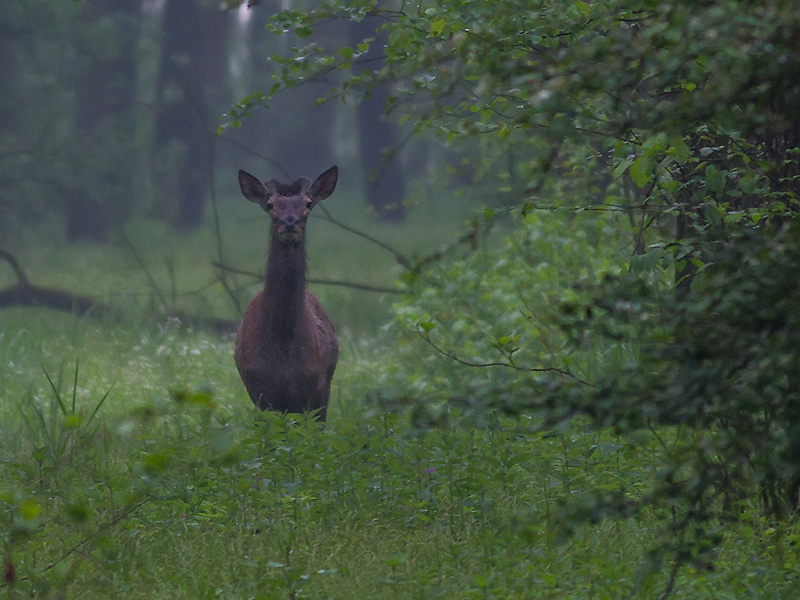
(190, 91)
(110, 110)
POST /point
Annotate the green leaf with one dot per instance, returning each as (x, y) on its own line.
(715, 179)
(679, 150)
(30, 509)
(77, 512)
(748, 184)
(304, 31)
(437, 26)
(401, 38)
(584, 8)
(346, 53)
(427, 326)
(622, 167)
(157, 461)
(641, 171)
(645, 263)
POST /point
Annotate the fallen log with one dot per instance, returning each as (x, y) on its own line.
(26, 294)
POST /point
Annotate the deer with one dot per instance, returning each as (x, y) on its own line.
(286, 347)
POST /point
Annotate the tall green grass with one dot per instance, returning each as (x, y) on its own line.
(133, 464)
(172, 485)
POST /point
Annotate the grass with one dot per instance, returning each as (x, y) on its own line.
(227, 502)
(141, 470)
(151, 269)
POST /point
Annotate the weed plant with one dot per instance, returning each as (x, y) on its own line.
(171, 485)
(132, 463)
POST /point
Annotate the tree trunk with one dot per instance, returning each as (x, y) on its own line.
(104, 120)
(379, 138)
(194, 60)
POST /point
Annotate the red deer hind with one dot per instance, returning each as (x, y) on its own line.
(286, 347)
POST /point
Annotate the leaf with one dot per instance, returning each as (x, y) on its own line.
(641, 171)
(437, 26)
(157, 461)
(346, 53)
(715, 179)
(748, 184)
(427, 326)
(622, 167)
(584, 8)
(304, 31)
(400, 38)
(30, 509)
(679, 150)
(77, 512)
(645, 263)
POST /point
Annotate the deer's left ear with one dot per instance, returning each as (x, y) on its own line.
(324, 185)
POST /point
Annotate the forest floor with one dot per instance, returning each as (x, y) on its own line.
(134, 465)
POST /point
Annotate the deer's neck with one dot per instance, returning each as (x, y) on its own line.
(285, 286)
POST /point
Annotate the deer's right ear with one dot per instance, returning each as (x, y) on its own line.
(252, 188)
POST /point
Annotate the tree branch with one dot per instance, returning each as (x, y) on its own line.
(507, 365)
(12, 261)
(400, 258)
(335, 282)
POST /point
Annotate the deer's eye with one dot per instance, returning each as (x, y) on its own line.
(309, 204)
(268, 206)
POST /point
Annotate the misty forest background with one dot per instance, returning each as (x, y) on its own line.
(562, 258)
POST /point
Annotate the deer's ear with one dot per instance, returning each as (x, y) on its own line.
(252, 188)
(324, 185)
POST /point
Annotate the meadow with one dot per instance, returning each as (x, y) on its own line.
(134, 465)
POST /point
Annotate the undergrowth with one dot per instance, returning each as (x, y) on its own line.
(134, 465)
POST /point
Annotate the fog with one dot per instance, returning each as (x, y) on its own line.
(119, 163)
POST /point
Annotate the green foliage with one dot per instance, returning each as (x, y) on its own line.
(682, 116)
(721, 359)
(64, 147)
(58, 432)
(681, 98)
(192, 494)
(495, 310)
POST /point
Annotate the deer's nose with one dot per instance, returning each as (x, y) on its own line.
(290, 222)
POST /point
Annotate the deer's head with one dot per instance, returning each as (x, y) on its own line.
(289, 204)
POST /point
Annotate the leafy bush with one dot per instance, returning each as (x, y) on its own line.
(710, 373)
(494, 310)
(719, 363)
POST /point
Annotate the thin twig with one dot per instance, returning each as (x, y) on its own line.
(334, 282)
(399, 257)
(102, 528)
(249, 150)
(507, 365)
(95, 533)
(140, 261)
(210, 135)
(673, 577)
(12, 261)
(468, 237)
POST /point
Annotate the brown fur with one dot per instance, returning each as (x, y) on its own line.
(286, 347)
